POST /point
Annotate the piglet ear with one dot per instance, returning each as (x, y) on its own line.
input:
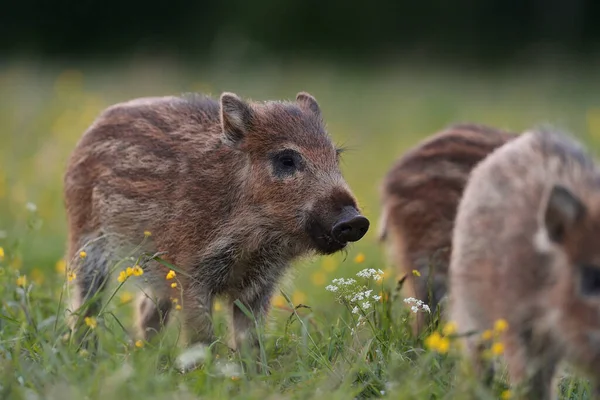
(308, 103)
(236, 118)
(563, 210)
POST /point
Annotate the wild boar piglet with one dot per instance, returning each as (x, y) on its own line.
(230, 192)
(526, 250)
(419, 198)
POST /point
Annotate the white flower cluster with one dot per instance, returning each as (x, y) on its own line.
(417, 305)
(355, 298)
(370, 273)
(339, 282)
(358, 297)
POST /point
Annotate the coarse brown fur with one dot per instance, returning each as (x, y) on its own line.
(231, 192)
(420, 195)
(525, 249)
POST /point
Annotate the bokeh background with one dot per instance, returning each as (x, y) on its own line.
(387, 73)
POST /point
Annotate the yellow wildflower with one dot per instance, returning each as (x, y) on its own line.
(416, 273)
(125, 297)
(82, 254)
(450, 328)
(438, 343)
(84, 353)
(487, 334)
(147, 233)
(319, 278)
(497, 348)
(433, 341)
(61, 266)
(178, 307)
(22, 281)
(137, 271)
(329, 264)
(298, 297)
(91, 322)
(71, 276)
(218, 306)
(122, 276)
(174, 300)
(174, 285)
(500, 325)
(444, 345)
(129, 271)
(1, 253)
(171, 274)
(139, 344)
(506, 395)
(278, 301)
(360, 258)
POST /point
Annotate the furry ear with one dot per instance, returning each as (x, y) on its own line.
(308, 103)
(563, 210)
(236, 117)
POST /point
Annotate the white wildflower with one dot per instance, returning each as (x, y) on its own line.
(343, 282)
(366, 304)
(31, 207)
(367, 293)
(417, 305)
(331, 288)
(368, 273)
(355, 310)
(363, 274)
(376, 297)
(357, 297)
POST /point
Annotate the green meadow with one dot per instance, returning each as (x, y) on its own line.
(314, 346)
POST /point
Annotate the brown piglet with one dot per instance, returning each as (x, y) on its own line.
(230, 192)
(419, 197)
(526, 250)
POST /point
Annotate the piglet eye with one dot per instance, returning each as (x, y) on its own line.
(286, 162)
(590, 280)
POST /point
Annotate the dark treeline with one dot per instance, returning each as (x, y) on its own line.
(485, 29)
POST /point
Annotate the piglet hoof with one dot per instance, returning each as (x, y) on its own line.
(191, 358)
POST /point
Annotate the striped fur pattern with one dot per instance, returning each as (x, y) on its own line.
(231, 191)
(525, 249)
(419, 197)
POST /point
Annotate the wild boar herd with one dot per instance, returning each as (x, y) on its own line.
(231, 192)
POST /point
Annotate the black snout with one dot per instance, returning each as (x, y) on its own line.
(351, 227)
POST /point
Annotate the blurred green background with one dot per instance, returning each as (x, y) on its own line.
(386, 73)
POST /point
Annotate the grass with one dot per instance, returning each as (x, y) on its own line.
(313, 346)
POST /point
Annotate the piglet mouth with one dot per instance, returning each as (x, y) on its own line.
(327, 244)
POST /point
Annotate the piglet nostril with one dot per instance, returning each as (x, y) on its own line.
(351, 230)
